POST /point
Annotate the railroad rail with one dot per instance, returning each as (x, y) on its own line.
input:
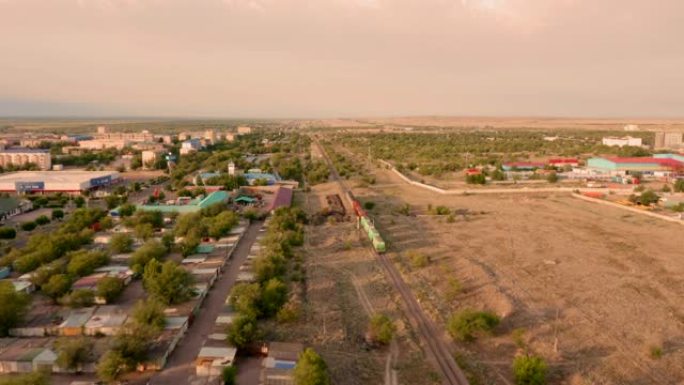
(432, 340)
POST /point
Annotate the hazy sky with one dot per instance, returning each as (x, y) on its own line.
(333, 58)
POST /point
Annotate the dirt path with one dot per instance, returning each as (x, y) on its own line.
(179, 368)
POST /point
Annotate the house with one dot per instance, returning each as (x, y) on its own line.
(10, 207)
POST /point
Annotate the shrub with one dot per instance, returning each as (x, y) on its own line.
(28, 226)
(42, 220)
(552, 177)
(454, 288)
(57, 286)
(656, 352)
(14, 306)
(381, 329)
(228, 375)
(418, 260)
(149, 313)
(84, 262)
(79, 298)
(110, 288)
(7, 233)
(529, 370)
(72, 353)
(242, 331)
(57, 214)
(476, 179)
(468, 324)
(121, 243)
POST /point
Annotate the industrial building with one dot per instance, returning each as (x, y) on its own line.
(19, 156)
(72, 182)
(662, 165)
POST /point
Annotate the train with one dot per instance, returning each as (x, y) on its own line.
(366, 223)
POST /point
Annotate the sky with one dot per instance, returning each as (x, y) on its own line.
(341, 58)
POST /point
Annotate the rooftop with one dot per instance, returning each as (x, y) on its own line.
(54, 176)
(23, 150)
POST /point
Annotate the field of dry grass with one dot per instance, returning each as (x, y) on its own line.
(345, 287)
(593, 289)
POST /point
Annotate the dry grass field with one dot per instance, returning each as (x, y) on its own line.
(598, 292)
(345, 286)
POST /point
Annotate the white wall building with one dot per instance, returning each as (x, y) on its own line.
(244, 130)
(621, 142)
(149, 158)
(102, 144)
(24, 156)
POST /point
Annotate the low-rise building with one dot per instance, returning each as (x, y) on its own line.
(73, 182)
(19, 156)
(643, 165)
(102, 144)
(190, 146)
(522, 166)
(244, 130)
(621, 142)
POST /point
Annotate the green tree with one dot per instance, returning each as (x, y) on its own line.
(14, 307)
(273, 297)
(121, 243)
(244, 298)
(529, 370)
(110, 366)
(152, 249)
(381, 329)
(311, 369)
(126, 210)
(144, 231)
(57, 286)
(242, 331)
(468, 324)
(109, 288)
(151, 313)
(84, 262)
(168, 282)
(72, 353)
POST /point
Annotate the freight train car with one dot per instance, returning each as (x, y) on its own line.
(367, 225)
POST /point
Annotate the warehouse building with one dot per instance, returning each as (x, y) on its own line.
(661, 165)
(72, 182)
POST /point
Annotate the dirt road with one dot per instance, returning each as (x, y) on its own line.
(180, 369)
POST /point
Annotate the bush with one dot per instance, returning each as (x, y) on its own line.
(14, 306)
(168, 282)
(84, 262)
(57, 286)
(552, 177)
(152, 249)
(110, 288)
(228, 375)
(79, 298)
(28, 226)
(35, 378)
(42, 220)
(381, 329)
(273, 297)
(468, 324)
(7, 233)
(121, 243)
(454, 288)
(72, 353)
(149, 313)
(242, 331)
(57, 214)
(656, 352)
(529, 370)
(476, 179)
(418, 260)
(679, 185)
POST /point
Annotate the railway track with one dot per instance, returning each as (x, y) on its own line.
(432, 340)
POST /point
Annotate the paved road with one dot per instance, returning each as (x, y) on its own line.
(180, 368)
